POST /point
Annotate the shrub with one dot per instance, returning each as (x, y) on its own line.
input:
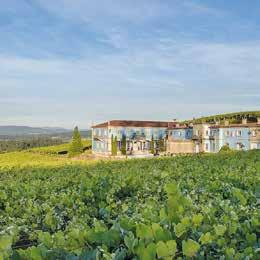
(225, 148)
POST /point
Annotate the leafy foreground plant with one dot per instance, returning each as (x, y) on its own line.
(202, 207)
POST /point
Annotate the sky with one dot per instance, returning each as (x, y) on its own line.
(81, 62)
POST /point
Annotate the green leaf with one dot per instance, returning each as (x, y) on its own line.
(172, 246)
(251, 239)
(59, 239)
(220, 230)
(50, 221)
(159, 233)
(238, 194)
(197, 219)
(3, 195)
(206, 238)
(230, 252)
(221, 242)
(165, 250)
(99, 226)
(45, 238)
(90, 255)
(163, 214)
(162, 249)
(35, 253)
(111, 237)
(144, 231)
(149, 253)
(233, 227)
(5, 243)
(190, 247)
(179, 229)
(120, 254)
(172, 188)
(130, 241)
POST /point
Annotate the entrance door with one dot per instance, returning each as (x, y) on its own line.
(135, 146)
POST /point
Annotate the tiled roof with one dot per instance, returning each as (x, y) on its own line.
(131, 123)
(180, 127)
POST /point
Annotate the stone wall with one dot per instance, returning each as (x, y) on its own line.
(180, 147)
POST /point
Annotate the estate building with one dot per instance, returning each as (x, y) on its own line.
(144, 137)
(138, 134)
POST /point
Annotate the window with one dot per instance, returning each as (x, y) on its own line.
(254, 133)
(179, 133)
(207, 132)
(227, 133)
(232, 133)
(207, 147)
(239, 133)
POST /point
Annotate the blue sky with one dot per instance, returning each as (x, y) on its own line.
(66, 63)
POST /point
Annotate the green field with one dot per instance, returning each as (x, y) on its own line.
(56, 149)
(38, 157)
(203, 207)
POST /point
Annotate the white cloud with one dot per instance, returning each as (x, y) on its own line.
(164, 81)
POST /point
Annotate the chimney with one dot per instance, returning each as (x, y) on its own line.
(226, 122)
(244, 121)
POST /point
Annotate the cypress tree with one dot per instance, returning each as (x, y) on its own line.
(76, 146)
(115, 146)
(152, 145)
(123, 147)
(112, 145)
(161, 144)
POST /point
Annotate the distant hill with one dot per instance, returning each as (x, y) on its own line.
(12, 131)
(232, 117)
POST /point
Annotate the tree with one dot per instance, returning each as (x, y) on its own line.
(123, 147)
(152, 145)
(161, 144)
(76, 146)
(115, 146)
(112, 144)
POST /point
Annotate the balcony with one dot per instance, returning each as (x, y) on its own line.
(196, 137)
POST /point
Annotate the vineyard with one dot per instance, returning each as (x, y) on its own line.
(43, 156)
(59, 149)
(235, 117)
(202, 207)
